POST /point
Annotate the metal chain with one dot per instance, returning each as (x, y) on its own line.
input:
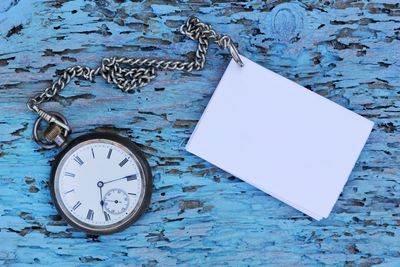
(131, 73)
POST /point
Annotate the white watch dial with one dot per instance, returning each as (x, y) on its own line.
(99, 183)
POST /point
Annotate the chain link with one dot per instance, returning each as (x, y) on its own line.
(131, 73)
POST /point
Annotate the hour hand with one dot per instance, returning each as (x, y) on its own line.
(100, 185)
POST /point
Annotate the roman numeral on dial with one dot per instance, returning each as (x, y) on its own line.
(123, 162)
(131, 178)
(69, 174)
(78, 160)
(107, 216)
(72, 190)
(90, 215)
(76, 205)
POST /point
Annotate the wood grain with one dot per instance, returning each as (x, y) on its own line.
(347, 51)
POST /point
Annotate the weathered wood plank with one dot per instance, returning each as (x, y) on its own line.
(347, 51)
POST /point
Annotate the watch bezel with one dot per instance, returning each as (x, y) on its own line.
(134, 215)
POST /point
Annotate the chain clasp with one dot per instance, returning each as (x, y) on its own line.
(235, 54)
(225, 42)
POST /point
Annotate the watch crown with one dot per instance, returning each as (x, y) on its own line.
(53, 133)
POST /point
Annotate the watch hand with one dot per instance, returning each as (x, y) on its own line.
(114, 201)
(128, 178)
(100, 185)
(101, 199)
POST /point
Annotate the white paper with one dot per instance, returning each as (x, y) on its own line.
(280, 137)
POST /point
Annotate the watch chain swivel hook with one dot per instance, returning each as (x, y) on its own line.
(226, 42)
(235, 55)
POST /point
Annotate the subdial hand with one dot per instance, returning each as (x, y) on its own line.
(115, 201)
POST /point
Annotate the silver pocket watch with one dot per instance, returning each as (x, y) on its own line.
(101, 183)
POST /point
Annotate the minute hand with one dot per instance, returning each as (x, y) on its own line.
(128, 178)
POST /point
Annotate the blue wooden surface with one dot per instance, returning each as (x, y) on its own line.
(347, 51)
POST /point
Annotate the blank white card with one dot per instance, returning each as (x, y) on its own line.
(280, 137)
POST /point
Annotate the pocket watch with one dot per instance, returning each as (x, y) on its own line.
(101, 182)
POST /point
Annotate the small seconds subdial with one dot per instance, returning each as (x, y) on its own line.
(116, 201)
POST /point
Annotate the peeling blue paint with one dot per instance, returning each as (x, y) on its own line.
(347, 51)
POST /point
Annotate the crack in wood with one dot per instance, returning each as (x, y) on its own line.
(199, 215)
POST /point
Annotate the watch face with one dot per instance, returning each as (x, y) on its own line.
(101, 183)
